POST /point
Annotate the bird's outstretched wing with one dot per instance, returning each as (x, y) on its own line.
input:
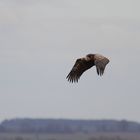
(80, 66)
(100, 63)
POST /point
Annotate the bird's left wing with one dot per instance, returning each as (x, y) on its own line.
(100, 62)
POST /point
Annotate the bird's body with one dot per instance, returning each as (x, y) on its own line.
(85, 63)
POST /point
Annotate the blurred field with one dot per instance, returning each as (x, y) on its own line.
(97, 136)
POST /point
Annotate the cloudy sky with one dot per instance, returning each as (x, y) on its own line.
(39, 43)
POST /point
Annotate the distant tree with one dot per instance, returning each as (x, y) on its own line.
(124, 126)
(67, 129)
(2, 129)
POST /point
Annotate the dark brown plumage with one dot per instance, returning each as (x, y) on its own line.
(85, 63)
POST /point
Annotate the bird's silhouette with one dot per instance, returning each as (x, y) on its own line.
(85, 63)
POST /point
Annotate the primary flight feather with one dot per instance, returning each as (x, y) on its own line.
(85, 63)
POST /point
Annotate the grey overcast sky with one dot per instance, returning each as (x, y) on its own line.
(39, 43)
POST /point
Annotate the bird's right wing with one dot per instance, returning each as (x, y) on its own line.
(100, 62)
(79, 67)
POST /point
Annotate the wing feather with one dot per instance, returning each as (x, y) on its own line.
(100, 62)
(80, 66)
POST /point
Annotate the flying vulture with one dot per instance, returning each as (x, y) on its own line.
(85, 63)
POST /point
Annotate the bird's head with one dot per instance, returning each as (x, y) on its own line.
(90, 56)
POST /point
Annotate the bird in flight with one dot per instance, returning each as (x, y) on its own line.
(85, 63)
